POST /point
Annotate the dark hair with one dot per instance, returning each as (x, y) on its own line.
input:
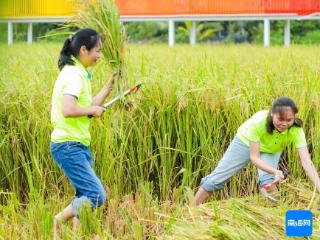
(278, 106)
(85, 37)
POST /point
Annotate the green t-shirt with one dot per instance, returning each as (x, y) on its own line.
(75, 81)
(255, 130)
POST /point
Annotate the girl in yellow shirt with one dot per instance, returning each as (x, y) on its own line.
(72, 103)
(262, 139)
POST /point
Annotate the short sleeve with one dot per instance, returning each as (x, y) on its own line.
(253, 132)
(72, 82)
(299, 138)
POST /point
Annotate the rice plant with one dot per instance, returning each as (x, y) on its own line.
(104, 17)
(151, 158)
(243, 218)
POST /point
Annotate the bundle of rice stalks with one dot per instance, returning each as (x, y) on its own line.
(104, 17)
(246, 218)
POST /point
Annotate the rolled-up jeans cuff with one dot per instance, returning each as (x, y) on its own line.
(78, 203)
(206, 186)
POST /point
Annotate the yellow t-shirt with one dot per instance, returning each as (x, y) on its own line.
(255, 130)
(75, 81)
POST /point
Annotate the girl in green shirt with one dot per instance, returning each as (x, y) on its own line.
(262, 139)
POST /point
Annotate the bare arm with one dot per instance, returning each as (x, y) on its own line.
(309, 167)
(70, 108)
(104, 92)
(255, 159)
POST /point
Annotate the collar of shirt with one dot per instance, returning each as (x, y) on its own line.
(275, 131)
(83, 69)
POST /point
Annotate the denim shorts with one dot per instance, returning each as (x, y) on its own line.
(234, 159)
(76, 162)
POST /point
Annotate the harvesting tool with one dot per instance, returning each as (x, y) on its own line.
(266, 187)
(131, 90)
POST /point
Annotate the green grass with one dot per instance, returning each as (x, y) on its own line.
(149, 158)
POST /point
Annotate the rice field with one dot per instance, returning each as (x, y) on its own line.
(152, 156)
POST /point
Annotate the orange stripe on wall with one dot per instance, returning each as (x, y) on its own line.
(176, 7)
(165, 7)
(53, 8)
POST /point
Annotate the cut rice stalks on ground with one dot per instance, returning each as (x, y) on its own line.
(244, 218)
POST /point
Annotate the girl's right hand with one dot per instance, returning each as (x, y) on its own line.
(97, 111)
(278, 175)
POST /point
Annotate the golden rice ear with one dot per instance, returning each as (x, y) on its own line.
(104, 17)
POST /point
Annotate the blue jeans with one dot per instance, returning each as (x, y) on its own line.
(75, 160)
(234, 159)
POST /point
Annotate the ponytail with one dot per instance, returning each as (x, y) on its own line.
(298, 122)
(65, 54)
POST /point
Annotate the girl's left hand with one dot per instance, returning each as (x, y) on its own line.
(110, 83)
